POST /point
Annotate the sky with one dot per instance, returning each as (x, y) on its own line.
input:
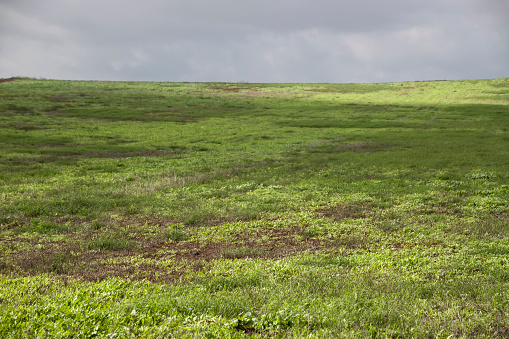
(283, 41)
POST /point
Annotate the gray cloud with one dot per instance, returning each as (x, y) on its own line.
(257, 41)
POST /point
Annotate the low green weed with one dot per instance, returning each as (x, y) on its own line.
(176, 233)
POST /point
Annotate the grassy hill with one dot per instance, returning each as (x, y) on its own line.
(232, 210)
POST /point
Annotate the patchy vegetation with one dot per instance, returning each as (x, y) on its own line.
(223, 210)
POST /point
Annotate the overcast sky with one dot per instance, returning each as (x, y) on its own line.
(255, 41)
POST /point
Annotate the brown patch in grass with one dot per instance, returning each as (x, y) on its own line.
(7, 80)
(66, 97)
(352, 242)
(359, 146)
(248, 92)
(111, 155)
(165, 221)
(276, 243)
(120, 155)
(406, 92)
(24, 126)
(445, 211)
(347, 211)
(184, 119)
(145, 260)
(232, 87)
(59, 98)
(174, 115)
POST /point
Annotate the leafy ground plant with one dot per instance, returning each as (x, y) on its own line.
(223, 210)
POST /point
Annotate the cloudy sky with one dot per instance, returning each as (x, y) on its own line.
(255, 41)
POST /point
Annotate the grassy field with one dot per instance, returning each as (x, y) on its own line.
(232, 210)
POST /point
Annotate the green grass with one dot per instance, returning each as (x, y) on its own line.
(226, 210)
